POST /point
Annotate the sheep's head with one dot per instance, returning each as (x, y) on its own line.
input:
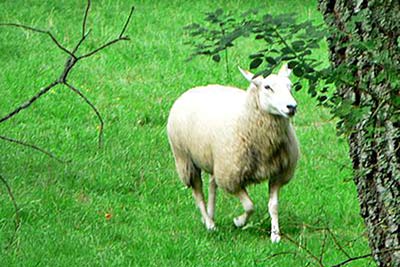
(274, 92)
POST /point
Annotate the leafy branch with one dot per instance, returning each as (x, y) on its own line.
(284, 39)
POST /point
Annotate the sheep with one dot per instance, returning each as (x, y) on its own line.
(238, 137)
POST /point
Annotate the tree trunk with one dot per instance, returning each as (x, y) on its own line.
(364, 42)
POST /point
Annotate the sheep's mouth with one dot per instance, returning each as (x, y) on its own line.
(291, 113)
(287, 114)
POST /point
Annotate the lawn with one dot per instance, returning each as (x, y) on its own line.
(123, 205)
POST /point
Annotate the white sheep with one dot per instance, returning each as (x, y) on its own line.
(239, 137)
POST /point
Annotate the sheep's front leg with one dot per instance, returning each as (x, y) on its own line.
(273, 212)
(199, 198)
(212, 191)
(247, 206)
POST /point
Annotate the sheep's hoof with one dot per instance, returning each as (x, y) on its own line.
(239, 221)
(209, 224)
(275, 237)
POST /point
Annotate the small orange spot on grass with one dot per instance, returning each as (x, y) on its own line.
(108, 216)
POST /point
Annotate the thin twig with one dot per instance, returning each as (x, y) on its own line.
(19, 142)
(14, 202)
(75, 90)
(80, 42)
(317, 228)
(29, 102)
(352, 259)
(277, 255)
(40, 31)
(366, 256)
(102, 47)
(339, 164)
(127, 22)
(337, 243)
(315, 258)
(323, 248)
(285, 43)
(85, 19)
(120, 38)
(84, 33)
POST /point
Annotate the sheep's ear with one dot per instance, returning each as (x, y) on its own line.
(285, 71)
(250, 76)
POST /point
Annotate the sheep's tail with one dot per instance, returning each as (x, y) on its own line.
(187, 171)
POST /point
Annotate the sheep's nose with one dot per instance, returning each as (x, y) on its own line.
(292, 109)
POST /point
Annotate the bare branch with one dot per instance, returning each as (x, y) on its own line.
(29, 102)
(40, 31)
(19, 142)
(127, 22)
(14, 202)
(70, 63)
(120, 37)
(93, 108)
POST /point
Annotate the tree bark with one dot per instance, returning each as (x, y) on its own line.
(374, 138)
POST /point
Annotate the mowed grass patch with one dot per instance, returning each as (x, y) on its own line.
(124, 205)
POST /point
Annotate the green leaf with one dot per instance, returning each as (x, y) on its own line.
(292, 64)
(216, 58)
(322, 98)
(298, 45)
(286, 50)
(270, 60)
(288, 57)
(324, 89)
(255, 63)
(298, 71)
(298, 87)
(256, 55)
(269, 40)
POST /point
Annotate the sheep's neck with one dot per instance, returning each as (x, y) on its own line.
(259, 125)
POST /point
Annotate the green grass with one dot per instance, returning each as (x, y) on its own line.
(154, 222)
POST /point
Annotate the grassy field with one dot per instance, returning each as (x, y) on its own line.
(123, 205)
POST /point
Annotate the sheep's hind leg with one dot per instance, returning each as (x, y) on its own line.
(199, 198)
(247, 206)
(273, 211)
(212, 191)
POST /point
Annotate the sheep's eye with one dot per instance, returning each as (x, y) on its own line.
(267, 87)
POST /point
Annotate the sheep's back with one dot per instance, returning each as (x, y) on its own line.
(202, 120)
